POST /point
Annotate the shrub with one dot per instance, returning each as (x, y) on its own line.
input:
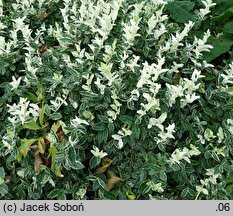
(112, 100)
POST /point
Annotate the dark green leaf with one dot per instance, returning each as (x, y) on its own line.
(99, 126)
(94, 162)
(221, 45)
(102, 136)
(55, 193)
(179, 13)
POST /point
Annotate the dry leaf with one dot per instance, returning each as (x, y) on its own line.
(42, 15)
(43, 48)
(37, 162)
(106, 162)
(112, 180)
(45, 160)
(60, 134)
(8, 179)
(176, 78)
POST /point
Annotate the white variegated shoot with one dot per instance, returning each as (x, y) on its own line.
(97, 153)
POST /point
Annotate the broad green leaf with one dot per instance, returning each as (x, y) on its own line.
(221, 45)
(99, 126)
(55, 116)
(25, 146)
(31, 126)
(32, 97)
(103, 118)
(224, 17)
(179, 13)
(228, 27)
(127, 119)
(186, 5)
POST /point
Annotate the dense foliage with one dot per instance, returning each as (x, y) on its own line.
(116, 99)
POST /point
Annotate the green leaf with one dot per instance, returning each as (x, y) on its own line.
(224, 17)
(103, 118)
(31, 126)
(228, 27)
(185, 192)
(186, 5)
(54, 193)
(102, 136)
(179, 13)
(127, 119)
(61, 196)
(221, 45)
(32, 97)
(130, 104)
(101, 183)
(130, 195)
(228, 106)
(77, 165)
(111, 127)
(73, 162)
(145, 188)
(2, 173)
(99, 126)
(41, 116)
(229, 180)
(163, 176)
(94, 162)
(3, 189)
(229, 188)
(25, 145)
(56, 168)
(55, 116)
(47, 110)
(135, 131)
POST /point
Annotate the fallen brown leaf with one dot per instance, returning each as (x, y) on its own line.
(42, 15)
(106, 162)
(60, 134)
(37, 162)
(112, 180)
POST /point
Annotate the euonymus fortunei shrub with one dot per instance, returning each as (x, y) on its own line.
(111, 100)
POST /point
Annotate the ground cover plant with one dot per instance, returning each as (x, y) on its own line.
(121, 99)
